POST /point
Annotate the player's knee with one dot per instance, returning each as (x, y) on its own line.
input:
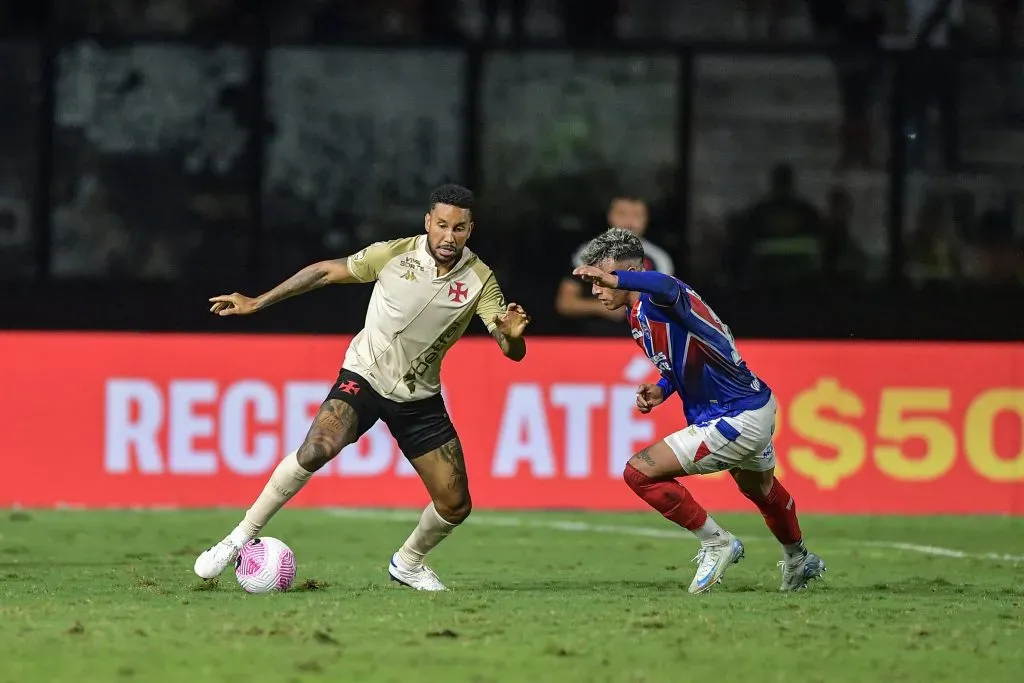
(454, 509)
(647, 467)
(635, 479)
(753, 485)
(314, 454)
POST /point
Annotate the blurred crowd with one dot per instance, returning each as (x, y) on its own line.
(790, 157)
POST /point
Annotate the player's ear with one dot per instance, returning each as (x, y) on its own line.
(426, 222)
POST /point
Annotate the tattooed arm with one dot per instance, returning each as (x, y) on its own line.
(506, 323)
(361, 267)
(514, 348)
(313, 276)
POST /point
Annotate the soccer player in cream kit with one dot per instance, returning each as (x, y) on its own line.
(729, 410)
(427, 290)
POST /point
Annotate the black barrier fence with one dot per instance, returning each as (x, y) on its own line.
(158, 159)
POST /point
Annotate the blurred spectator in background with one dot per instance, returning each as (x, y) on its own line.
(933, 78)
(761, 19)
(780, 239)
(22, 17)
(517, 10)
(843, 261)
(994, 259)
(1005, 15)
(574, 300)
(857, 26)
(589, 23)
(438, 19)
(933, 249)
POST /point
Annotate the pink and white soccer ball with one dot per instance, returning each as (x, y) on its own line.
(265, 565)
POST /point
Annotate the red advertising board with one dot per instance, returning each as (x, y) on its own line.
(117, 420)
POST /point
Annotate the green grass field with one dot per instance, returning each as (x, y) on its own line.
(110, 596)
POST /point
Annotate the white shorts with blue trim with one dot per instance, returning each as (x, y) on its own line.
(741, 441)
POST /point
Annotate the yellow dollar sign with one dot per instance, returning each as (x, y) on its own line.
(806, 420)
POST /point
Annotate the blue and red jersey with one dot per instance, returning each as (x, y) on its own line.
(692, 348)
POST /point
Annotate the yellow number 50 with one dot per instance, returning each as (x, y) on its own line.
(897, 426)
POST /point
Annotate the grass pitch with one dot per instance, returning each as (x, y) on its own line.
(110, 597)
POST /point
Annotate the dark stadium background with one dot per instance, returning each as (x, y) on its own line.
(154, 153)
(152, 159)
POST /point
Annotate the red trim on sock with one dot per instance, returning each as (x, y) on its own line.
(779, 511)
(670, 498)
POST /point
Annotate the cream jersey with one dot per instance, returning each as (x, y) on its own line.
(416, 315)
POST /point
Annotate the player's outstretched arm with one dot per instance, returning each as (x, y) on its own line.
(663, 289)
(313, 276)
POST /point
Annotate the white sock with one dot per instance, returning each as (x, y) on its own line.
(794, 549)
(710, 532)
(431, 530)
(287, 479)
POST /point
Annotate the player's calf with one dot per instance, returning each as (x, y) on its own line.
(443, 471)
(651, 475)
(775, 503)
(333, 429)
(778, 508)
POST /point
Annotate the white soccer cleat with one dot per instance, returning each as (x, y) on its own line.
(212, 563)
(712, 561)
(421, 578)
(798, 570)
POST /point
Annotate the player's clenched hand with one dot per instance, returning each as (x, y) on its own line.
(648, 396)
(232, 304)
(596, 276)
(512, 323)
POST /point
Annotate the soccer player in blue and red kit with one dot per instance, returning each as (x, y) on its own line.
(730, 411)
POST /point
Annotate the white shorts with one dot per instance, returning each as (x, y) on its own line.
(743, 441)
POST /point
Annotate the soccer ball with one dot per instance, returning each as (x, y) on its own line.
(265, 565)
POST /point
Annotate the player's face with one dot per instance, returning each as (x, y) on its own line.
(613, 299)
(448, 228)
(628, 214)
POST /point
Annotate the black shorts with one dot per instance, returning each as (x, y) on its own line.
(418, 426)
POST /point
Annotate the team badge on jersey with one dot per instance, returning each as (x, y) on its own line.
(458, 292)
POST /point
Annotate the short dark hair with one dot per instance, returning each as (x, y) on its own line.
(626, 197)
(617, 244)
(453, 195)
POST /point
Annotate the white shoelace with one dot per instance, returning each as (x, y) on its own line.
(705, 560)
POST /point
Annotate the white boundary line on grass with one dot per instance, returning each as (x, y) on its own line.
(645, 532)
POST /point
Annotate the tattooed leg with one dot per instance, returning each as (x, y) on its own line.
(443, 472)
(652, 475)
(333, 429)
(658, 462)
